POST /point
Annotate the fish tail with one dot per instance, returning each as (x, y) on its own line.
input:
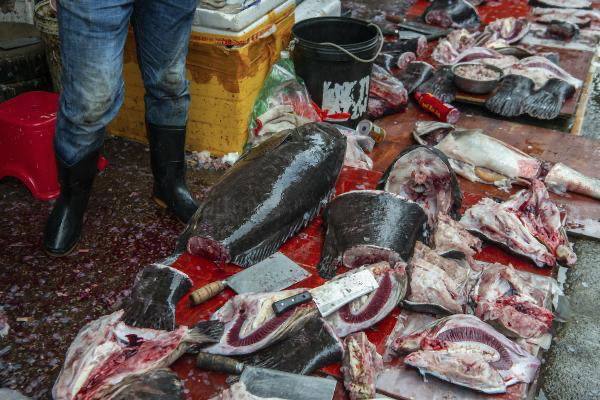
(150, 315)
(505, 103)
(543, 105)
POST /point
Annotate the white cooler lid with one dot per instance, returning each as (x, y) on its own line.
(221, 20)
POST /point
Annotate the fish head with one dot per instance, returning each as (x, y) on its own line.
(430, 133)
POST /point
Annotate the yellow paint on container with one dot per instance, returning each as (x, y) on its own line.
(226, 71)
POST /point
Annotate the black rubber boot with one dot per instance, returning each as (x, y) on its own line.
(63, 228)
(167, 158)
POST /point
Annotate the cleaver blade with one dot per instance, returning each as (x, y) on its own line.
(275, 273)
(268, 383)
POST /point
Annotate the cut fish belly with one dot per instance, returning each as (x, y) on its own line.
(360, 367)
(369, 309)
(562, 178)
(250, 323)
(450, 237)
(478, 157)
(499, 280)
(270, 193)
(384, 227)
(527, 224)
(510, 29)
(468, 334)
(465, 369)
(424, 175)
(106, 353)
(540, 70)
(437, 284)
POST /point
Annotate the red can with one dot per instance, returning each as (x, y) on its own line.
(444, 112)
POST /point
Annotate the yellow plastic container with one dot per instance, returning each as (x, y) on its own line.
(226, 72)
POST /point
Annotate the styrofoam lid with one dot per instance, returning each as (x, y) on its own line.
(229, 18)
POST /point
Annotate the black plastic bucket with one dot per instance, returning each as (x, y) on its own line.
(334, 56)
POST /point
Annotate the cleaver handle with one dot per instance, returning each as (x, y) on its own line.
(214, 362)
(207, 292)
(282, 306)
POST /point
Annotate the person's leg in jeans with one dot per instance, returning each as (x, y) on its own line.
(92, 35)
(162, 31)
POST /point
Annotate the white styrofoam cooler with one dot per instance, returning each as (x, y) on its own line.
(236, 22)
(318, 8)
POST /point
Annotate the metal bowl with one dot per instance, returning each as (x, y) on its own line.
(475, 86)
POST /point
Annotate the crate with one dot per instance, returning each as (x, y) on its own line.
(226, 71)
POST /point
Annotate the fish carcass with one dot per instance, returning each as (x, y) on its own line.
(509, 29)
(477, 156)
(450, 238)
(454, 342)
(562, 178)
(371, 308)
(250, 324)
(315, 346)
(383, 227)
(107, 354)
(527, 224)
(562, 3)
(424, 175)
(540, 70)
(580, 17)
(360, 367)
(452, 13)
(437, 284)
(267, 196)
(513, 301)
(152, 301)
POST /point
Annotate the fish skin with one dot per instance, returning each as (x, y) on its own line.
(241, 220)
(467, 333)
(465, 369)
(360, 367)
(155, 294)
(313, 347)
(452, 13)
(160, 384)
(562, 178)
(106, 351)
(415, 73)
(417, 168)
(371, 308)
(469, 152)
(440, 85)
(250, 323)
(383, 227)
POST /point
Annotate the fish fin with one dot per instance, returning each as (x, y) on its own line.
(543, 105)
(267, 146)
(271, 244)
(203, 334)
(330, 259)
(505, 104)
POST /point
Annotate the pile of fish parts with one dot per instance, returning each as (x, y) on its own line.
(408, 232)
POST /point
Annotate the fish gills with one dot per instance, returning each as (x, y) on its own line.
(155, 294)
(267, 196)
(383, 227)
(423, 174)
(360, 367)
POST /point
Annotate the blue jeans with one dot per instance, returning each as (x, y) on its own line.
(93, 34)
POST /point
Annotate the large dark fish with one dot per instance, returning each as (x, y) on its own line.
(452, 13)
(266, 197)
(315, 346)
(250, 324)
(424, 175)
(441, 85)
(562, 30)
(159, 384)
(415, 74)
(383, 227)
(371, 308)
(547, 102)
(508, 99)
(446, 347)
(154, 296)
(107, 353)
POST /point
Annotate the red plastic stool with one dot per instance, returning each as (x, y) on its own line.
(27, 125)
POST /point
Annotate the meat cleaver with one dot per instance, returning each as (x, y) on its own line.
(332, 295)
(270, 275)
(269, 383)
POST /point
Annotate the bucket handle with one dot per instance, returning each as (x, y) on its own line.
(362, 60)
